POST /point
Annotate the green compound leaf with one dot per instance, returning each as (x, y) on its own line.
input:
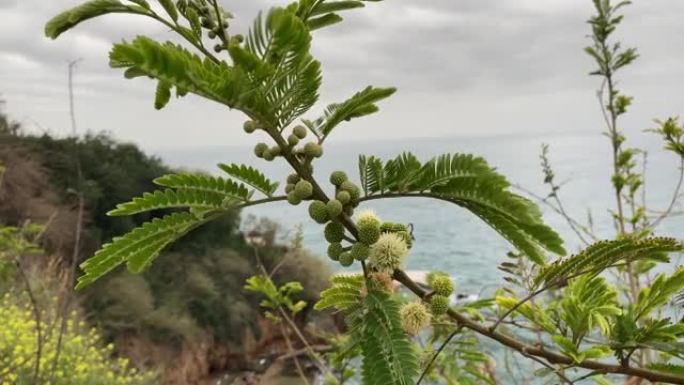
(388, 356)
(88, 10)
(604, 254)
(139, 247)
(250, 176)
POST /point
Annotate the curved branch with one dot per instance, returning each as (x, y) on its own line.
(549, 356)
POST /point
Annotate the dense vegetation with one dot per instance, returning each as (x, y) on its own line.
(196, 298)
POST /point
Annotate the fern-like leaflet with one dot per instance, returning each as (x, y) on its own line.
(388, 356)
(139, 247)
(471, 183)
(251, 176)
(604, 254)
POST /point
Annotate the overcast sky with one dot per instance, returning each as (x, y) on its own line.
(463, 68)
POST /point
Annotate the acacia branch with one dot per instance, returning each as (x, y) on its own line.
(529, 350)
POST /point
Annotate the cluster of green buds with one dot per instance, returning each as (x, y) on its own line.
(416, 315)
(442, 287)
(309, 150)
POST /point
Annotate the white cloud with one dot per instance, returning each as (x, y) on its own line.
(462, 67)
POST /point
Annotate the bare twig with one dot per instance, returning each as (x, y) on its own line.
(439, 350)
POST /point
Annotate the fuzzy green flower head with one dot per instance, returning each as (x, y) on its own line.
(343, 197)
(334, 208)
(303, 189)
(313, 150)
(299, 132)
(318, 212)
(442, 285)
(293, 198)
(414, 317)
(359, 251)
(249, 126)
(334, 232)
(388, 253)
(338, 177)
(335, 249)
(439, 304)
(260, 148)
(346, 259)
(368, 218)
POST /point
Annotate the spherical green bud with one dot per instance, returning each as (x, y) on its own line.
(338, 177)
(368, 218)
(387, 227)
(352, 189)
(292, 140)
(238, 38)
(289, 188)
(293, 178)
(343, 197)
(334, 208)
(414, 317)
(346, 259)
(299, 132)
(303, 189)
(439, 304)
(388, 253)
(218, 48)
(334, 232)
(293, 198)
(442, 285)
(359, 251)
(259, 149)
(369, 234)
(318, 212)
(249, 126)
(313, 150)
(334, 251)
(211, 34)
(268, 155)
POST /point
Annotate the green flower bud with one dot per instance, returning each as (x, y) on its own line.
(343, 197)
(334, 251)
(338, 177)
(334, 208)
(211, 34)
(218, 48)
(318, 212)
(292, 140)
(442, 285)
(293, 198)
(352, 189)
(439, 304)
(303, 189)
(289, 188)
(275, 150)
(334, 232)
(313, 150)
(414, 317)
(268, 155)
(368, 218)
(259, 149)
(387, 227)
(293, 178)
(238, 38)
(299, 132)
(249, 126)
(359, 251)
(346, 259)
(430, 278)
(369, 234)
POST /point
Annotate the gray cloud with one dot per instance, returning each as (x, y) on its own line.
(467, 67)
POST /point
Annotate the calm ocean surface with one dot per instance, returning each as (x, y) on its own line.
(448, 237)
